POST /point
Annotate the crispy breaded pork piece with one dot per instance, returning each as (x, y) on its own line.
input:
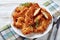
(29, 16)
(21, 13)
(27, 29)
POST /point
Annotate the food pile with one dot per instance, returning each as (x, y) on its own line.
(31, 18)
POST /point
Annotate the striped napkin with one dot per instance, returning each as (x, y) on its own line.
(7, 33)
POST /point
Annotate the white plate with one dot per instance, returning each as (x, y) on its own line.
(18, 31)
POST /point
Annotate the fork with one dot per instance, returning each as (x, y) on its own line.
(55, 17)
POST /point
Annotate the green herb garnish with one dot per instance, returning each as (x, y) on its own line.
(37, 23)
(26, 4)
